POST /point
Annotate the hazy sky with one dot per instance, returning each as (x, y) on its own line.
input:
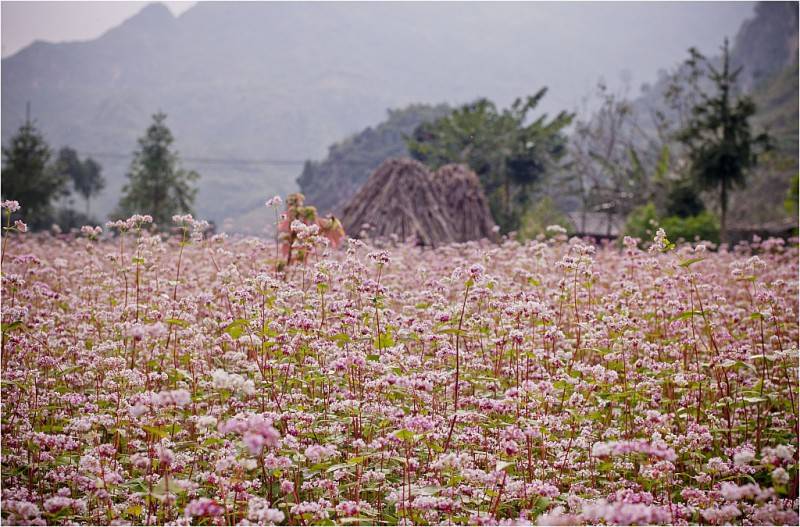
(24, 22)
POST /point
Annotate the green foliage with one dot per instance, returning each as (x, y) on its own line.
(331, 183)
(644, 221)
(536, 219)
(509, 152)
(85, 174)
(157, 185)
(683, 200)
(722, 150)
(704, 226)
(27, 178)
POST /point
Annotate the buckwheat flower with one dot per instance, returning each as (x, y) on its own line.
(780, 476)
(476, 271)
(232, 382)
(20, 226)
(26, 510)
(137, 410)
(274, 202)
(785, 452)
(556, 229)
(204, 422)
(745, 457)
(258, 510)
(379, 257)
(183, 219)
(140, 460)
(653, 449)
(252, 340)
(10, 205)
(137, 332)
(557, 517)
(178, 397)
(254, 442)
(347, 508)
(317, 453)
(287, 486)
(721, 515)
(203, 507)
(56, 503)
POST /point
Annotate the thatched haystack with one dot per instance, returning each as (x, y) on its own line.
(463, 195)
(404, 199)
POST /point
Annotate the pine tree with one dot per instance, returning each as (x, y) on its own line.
(722, 149)
(157, 185)
(27, 178)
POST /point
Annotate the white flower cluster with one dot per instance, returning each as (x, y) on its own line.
(304, 231)
(234, 382)
(134, 222)
(91, 232)
(258, 510)
(660, 242)
(197, 227)
(274, 202)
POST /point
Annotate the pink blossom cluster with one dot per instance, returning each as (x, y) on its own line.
(175, 379)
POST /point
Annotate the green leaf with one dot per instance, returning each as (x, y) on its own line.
(12, 326)
(404, 435)
(452, 331)
(161, 432)
(236, 328)
(341, 339)
(690, 261)
(687, 314)
(385, 340)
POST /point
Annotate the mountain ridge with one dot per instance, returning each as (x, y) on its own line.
(286, 80)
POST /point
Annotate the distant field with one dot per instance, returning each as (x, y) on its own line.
(150, 382)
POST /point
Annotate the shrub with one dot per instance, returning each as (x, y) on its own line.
(703, 226)
(643, 222)
(536, 219)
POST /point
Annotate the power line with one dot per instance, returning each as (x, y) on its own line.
(231, 161)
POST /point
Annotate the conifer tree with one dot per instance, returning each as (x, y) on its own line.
(721, 147)
(156, 184)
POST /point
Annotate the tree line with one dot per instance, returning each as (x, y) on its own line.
(42, 182)
(612, 164)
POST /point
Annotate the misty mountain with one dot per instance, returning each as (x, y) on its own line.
(765, 48)
(253, 89)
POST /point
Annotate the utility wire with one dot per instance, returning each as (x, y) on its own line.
(205, 160)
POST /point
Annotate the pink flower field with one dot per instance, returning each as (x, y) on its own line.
(186, 379)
